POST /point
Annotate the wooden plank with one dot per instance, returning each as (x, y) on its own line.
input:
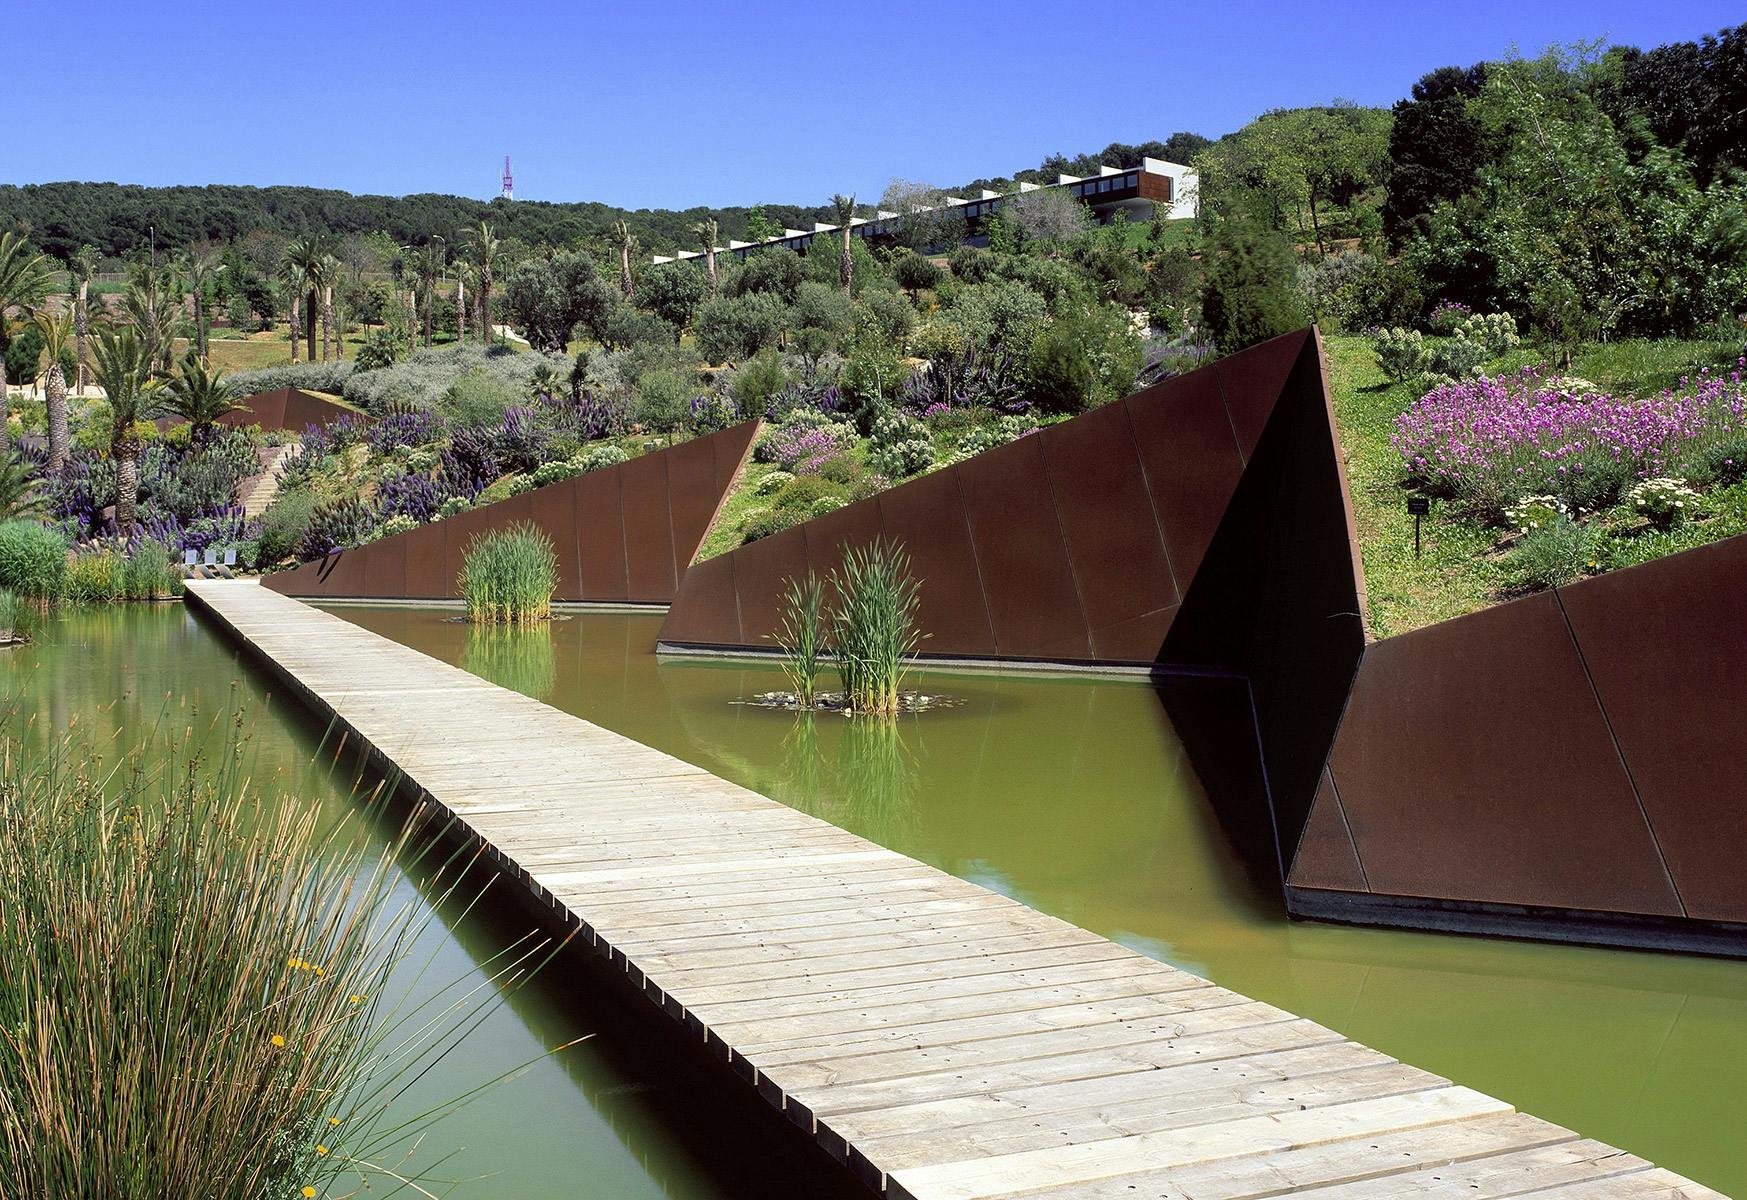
(941, 1040)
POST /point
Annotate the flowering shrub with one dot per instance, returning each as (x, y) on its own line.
(988, 437)
(1447, 316)
(1663, 501)
(1402, 353)
(1536, 512)
(335, 526)
(416, 497)
(521, 440)
(1496, 332)
(1494, 440)
(404, 430)
(797, 399)
(965, 377)
(802, 449)
(771, 484)
(712, 411)
(453, 505)
(899, 445)
(552, 472)
(1457, 358)
(470, 463)
(399, 523)
(596, 457)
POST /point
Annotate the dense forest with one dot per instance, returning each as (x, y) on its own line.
(118, 218)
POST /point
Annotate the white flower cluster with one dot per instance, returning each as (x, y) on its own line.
(1535, 512)
(1662, 500)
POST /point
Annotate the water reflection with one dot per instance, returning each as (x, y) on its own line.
(519, 657)
(1079, 798)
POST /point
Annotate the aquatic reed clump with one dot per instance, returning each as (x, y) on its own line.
(802, 637)
(508, 576)
(150, 575)
(195, 985)
(97, 577)
(17, 618)
(33, 559)
(873, 626)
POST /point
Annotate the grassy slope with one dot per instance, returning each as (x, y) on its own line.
(1461, 567)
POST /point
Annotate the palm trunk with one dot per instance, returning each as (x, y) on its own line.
(200, 324)
(309, 323)
(56, 384)
(487, 335)
(845, 261)
(5, 407)
(430, 310)
(127, 487)
(328, 331)
(81, 327)
(710, 268)
(460, 313)
(625, 271)
(294, 324)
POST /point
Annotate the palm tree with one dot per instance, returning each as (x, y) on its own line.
(331, 269)
(199, 396)
(429, 265)
(305, 258)
(706, 231)
(83, 266)
(843, 207)
(463, 272)
(293, 287)
(626, 241)
(154, 304)
(57, 335)
(482, 248)
(24, 281)
(20, 490)
(203, 270)
(122, 363)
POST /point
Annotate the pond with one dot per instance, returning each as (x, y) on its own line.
(607, 1118)
(1075, 796)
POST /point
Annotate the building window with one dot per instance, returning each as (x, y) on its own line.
(1103, 185)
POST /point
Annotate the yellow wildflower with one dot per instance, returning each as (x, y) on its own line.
(308, 1192)
(321, 1149)
(357, 999)
(333, 1120)
(277, 1039)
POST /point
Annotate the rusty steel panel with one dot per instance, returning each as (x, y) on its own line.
(927, 517)
(586, 517)
(762, 571)
(600, 535)
(427, 575)
(649, 548)
(1474, 764)
(287, 408)
(832, 535)
(1034, 601)
(385, 567)
(1251, 383)
(1192, 463)
(712, 609)
(1326, 857)
(1107, 517)
(1665, 648)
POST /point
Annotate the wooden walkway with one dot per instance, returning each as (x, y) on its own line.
(945, 1042)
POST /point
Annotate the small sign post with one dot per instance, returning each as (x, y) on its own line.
(1419, 506)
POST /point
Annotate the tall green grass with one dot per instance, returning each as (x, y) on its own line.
(33, 559)
(150, 575)
(17, 617)
(195, 986)
(508, 576)
(873, 626)
(99, 577)
(802, 636)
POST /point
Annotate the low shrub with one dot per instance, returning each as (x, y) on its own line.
(1496, 332)
(1551, 556)
(33, 560)
(508, 576)
(337, 525)
(1402, 353)
(399, 523)
(1448, 316)
(761, 523)
(453, 506)
(899, 446)
(804, 491)
(596, 457)
(283, 526)
(1535, 512)
(1662, 501)
(329, 377)
(1459, 357)
(409, 495)
(771, 483)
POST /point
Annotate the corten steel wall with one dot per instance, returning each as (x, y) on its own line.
(1568, 765)
(623, 534)
(287, 408)
(1279, 599)
(1072, 545)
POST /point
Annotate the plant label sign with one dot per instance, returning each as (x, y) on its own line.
(1419, 506)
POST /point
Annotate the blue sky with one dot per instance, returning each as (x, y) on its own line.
(682, 102)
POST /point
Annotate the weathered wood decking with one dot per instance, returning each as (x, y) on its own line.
(945, 1042)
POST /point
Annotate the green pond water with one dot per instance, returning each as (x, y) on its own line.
(1072, 795)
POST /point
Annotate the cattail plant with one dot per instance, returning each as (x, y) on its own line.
(17, 617)
(873, 626)
(508, 576)
(204, 991)
(802, 637)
